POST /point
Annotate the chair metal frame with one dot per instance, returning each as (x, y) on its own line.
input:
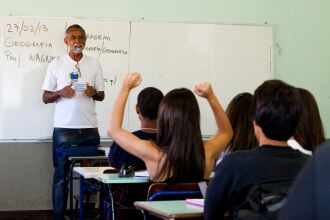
(173, 191)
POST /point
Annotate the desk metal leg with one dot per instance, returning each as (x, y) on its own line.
(112, 203)
(67, 186)
(71, 191)
(103, 199)
(81, 198)
(144, 214)
(111, 200)
(102, 207)
(72, 164)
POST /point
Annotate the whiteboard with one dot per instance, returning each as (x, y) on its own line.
(234, 58)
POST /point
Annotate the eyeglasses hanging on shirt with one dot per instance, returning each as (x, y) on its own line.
(79, 87)
(78, 69)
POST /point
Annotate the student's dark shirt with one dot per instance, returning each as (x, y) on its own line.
(241, 170)
(309, 197)
(117, 156)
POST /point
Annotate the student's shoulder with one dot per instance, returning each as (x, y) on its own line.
(144, 135)
(137, 132)
(242, 154)
(231, 165)
(238, 158)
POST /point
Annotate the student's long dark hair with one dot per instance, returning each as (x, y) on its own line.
(309, 132)
(238, 112)
(179, 135)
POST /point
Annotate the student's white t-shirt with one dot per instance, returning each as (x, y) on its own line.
(295, 145)
(78, 111)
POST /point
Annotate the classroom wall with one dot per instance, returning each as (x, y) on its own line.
(302, 48)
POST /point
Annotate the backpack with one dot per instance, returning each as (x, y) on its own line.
(264, 200)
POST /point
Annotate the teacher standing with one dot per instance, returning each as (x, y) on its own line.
(73, 82)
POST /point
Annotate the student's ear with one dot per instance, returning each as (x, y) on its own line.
(256, 129)
(137, 109)
(65, 41)
(138, 112)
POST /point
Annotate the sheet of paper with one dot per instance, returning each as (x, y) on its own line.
(142, 173)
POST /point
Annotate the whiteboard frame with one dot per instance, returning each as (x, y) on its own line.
(46, 139)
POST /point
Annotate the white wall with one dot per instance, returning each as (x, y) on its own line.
(26, 176)
(26, 171)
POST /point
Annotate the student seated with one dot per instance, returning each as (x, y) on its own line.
(275, 112)
(309, 132)
(309, 197)
(238, 112)
(146, 108)
(179, 153)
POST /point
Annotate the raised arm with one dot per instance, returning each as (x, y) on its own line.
(129, 142)
(218, 142)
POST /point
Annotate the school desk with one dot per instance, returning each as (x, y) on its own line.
(71, 163)
(105, 179)
(113, 179)
(174, 209)
(84, 174)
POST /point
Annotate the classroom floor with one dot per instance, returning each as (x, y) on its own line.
(37, 215)
(27, 215)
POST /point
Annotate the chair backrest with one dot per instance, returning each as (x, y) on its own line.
(173, 191)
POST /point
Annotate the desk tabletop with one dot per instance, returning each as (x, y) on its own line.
(101, 157)
(88, 172)
(106, 150)
(171, 209)
(112, 178)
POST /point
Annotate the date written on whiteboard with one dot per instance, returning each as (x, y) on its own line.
(23, 27)
(111, 81)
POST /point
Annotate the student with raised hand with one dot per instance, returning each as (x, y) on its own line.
(148, 101)
(238, 112)
(179, 153)
(275, 112)
(309, 132)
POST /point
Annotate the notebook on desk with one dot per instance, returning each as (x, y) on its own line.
(199, 202)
